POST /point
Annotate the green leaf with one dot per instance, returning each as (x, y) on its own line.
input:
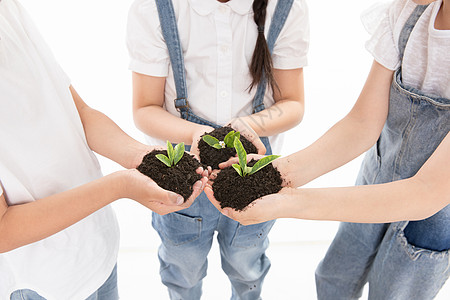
(164, 159)
(210, 140)
(217, 146)
(170, 152)
(238, 169)
(247, 170)
(262, 163)
(229, 139)
(179, 151)
(237, 135)
(241, 153)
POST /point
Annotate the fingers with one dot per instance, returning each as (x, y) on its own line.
(198, 187)
(228, 163)
(204, 173)
(259, 146)
(164, 196)
(210, 194)
(213, 175)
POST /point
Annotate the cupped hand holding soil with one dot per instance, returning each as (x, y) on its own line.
(179, 178)
(213, 157)
(236, 191)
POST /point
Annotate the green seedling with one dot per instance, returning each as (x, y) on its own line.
(242, 167)
(174, 155)
(228, 141)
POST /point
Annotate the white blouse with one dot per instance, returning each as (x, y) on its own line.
(218, 40)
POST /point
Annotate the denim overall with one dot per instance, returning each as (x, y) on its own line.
(187, 235)
(403, 260)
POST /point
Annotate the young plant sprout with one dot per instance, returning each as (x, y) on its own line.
(228, 141)
(174, 155)
(242, 167)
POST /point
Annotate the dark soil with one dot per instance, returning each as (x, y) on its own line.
(213, 157)
(237, 192)
(179, 178)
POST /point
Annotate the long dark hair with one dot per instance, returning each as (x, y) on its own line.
(261, 64)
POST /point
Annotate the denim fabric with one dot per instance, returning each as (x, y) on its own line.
(108, 291)
(403, 260)
(187, 235)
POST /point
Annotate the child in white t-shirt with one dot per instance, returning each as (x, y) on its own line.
(59, 237)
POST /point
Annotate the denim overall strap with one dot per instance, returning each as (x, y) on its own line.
(170, 32)
(169, 29)
(278, 20)
(408, 28)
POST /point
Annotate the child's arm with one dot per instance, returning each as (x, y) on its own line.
(151, 117)
(347, 139)
(27, 223)
(288, 109)
(415, 198)
(106, 138)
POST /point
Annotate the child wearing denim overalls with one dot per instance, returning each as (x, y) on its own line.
(404, 260)
(211, 44)
(407, 97)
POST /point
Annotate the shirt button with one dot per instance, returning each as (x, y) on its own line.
(223, 94)
(224, 49)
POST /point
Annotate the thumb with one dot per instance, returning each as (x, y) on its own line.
(166, 197)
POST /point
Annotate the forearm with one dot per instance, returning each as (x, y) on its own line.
(383, 203)
(281, 116)
(27, 223)
(106, 138)
(155, 121)
(345, 141)
(348, 138)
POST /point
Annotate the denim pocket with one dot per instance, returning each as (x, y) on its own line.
(414, 252)
(251, 235)
(177, 229)
(371, 166)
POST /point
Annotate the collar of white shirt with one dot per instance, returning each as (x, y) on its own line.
(205, 7)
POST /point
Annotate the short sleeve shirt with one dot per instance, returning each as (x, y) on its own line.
(43, 152)
(218, 40)
(426, 61)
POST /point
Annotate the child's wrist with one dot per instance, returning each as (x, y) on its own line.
(200, 130)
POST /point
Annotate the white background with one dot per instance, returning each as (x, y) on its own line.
(88, 39)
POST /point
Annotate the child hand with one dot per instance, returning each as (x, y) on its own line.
(261, 210)
(141, 153)
(142, 189)
(280, 164)
(239, 124)
(196, 138)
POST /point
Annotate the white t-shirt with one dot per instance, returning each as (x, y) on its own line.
(43, 152)
(218, 40)
(426, 62)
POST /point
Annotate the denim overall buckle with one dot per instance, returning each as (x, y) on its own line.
(183, 106)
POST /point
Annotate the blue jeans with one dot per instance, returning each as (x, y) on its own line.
(187, 237)
(108, 291)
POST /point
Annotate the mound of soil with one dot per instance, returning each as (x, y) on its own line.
(213, 157)
(179, 178)
(237, 192)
